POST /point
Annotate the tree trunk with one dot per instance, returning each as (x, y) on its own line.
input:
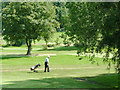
(29, 50)
(28, 42)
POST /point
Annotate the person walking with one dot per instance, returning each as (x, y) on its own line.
(47, 64)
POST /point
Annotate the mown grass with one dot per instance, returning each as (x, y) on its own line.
(65, 67)
(105, 79)
(62, 70)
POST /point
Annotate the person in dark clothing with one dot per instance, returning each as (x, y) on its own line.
(35, 67)
(46, 64)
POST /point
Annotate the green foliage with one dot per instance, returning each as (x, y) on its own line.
(57, 41)
(94, 28)
(28, 21)
(18, 43)
(66, 40)
(61, 10)
(83, 28)
(4, 4)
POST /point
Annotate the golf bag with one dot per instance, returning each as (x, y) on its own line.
(35, 67)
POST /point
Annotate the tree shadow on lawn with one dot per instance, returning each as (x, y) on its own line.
(107, 80)
(65, 82)
(13, 56)
(63, 48)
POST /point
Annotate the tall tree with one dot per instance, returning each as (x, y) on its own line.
(95, 28)
(28, 21)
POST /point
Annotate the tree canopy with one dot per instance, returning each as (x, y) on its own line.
(28, 21)
(95, 28)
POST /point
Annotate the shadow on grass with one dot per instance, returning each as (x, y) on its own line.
(41, 71)
(107, 80)
(63, 48)
(13, 56)
(67, 82)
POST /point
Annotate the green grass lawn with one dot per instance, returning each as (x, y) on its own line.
(66, 70)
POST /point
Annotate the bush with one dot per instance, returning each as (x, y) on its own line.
(57, 41)
(66, 40)
(50, 45)
(18, 43)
